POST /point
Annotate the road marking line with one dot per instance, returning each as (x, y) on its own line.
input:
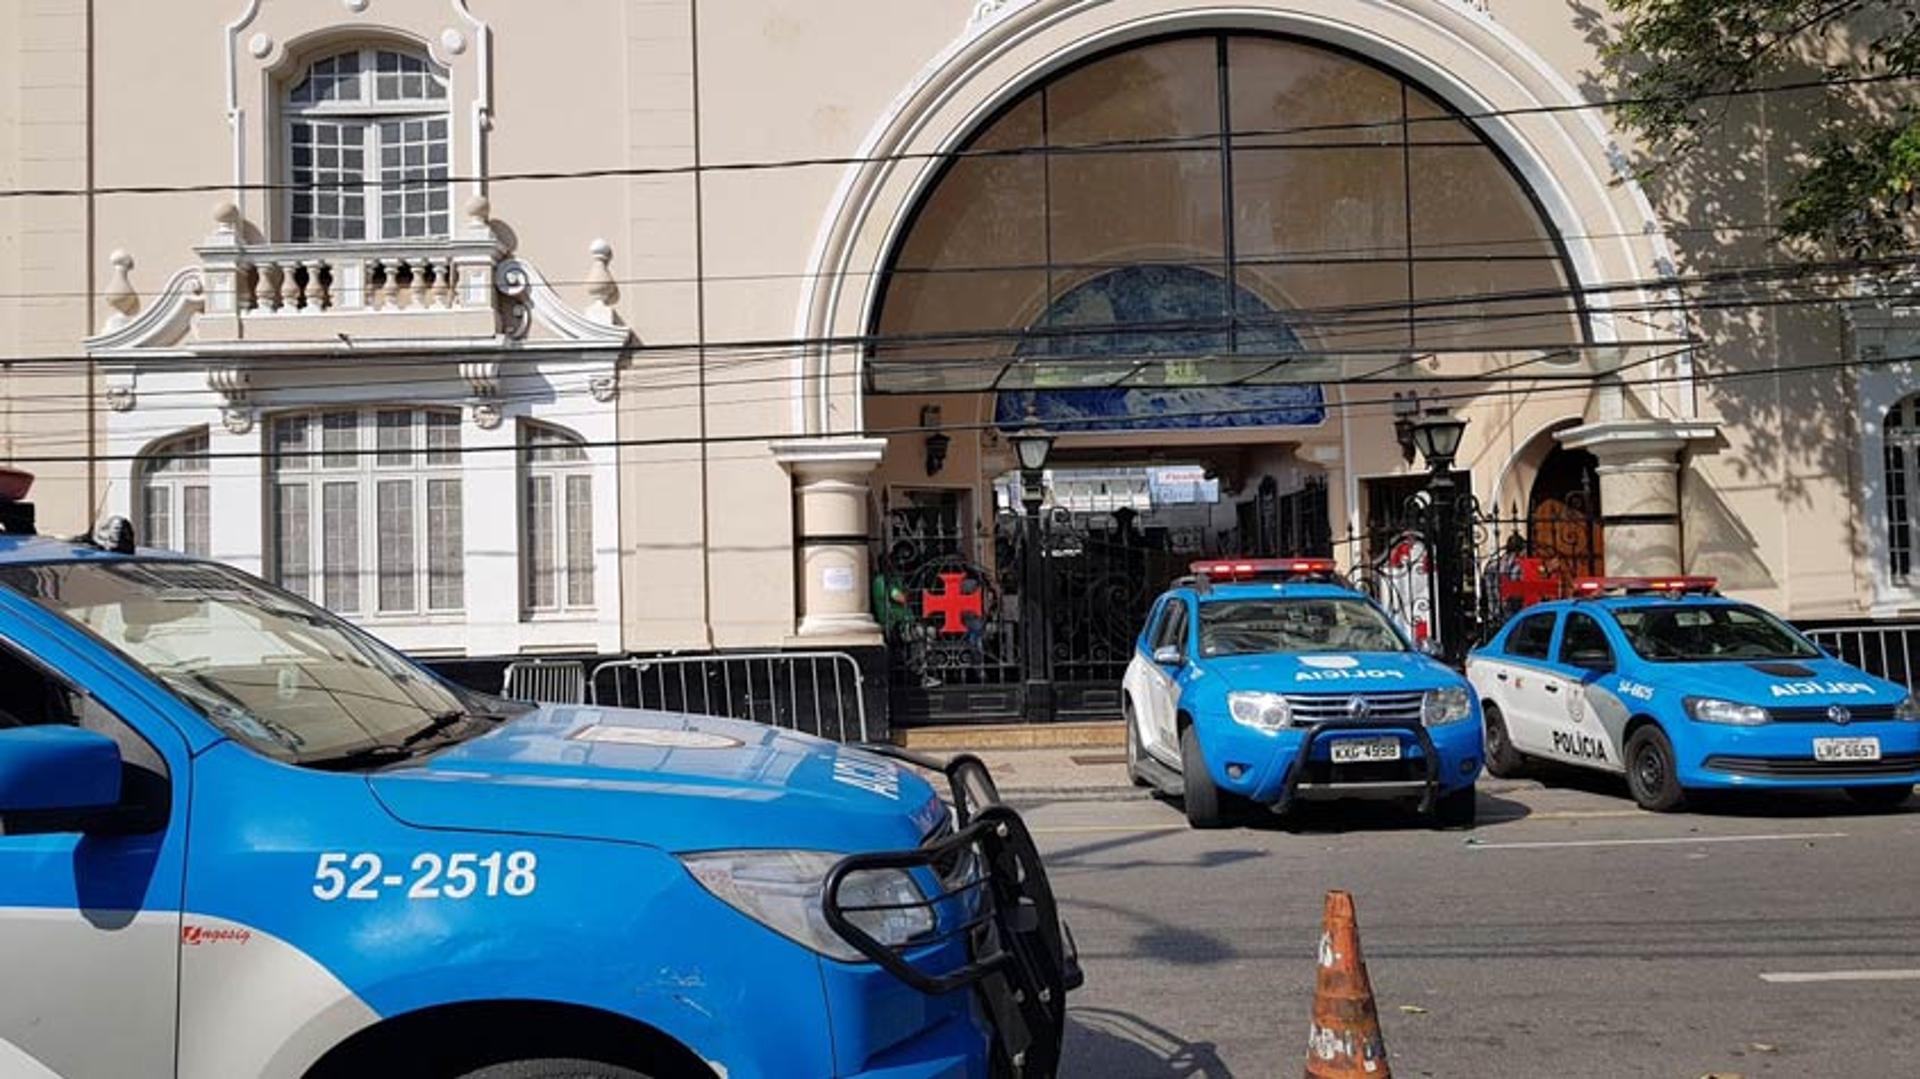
(1790, 978)
(1669, 841)
(1072, 829)
(1564, 814)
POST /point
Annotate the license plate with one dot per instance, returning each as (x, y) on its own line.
(1846, 749)
(1348, 750)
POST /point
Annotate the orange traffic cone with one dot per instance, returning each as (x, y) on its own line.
(1344, 1041)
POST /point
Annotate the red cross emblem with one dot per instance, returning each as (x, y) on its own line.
(950, 603)
(1529, 582)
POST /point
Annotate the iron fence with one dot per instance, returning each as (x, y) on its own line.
(1889, 650)
(820, 693)
(545, 681)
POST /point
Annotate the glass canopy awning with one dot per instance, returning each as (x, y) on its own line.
(936, 368)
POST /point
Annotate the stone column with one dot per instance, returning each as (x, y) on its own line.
(1639, 471)
(830, 498)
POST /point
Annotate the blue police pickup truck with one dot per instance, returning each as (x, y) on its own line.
(1664, 681)
(1259, 682)
(240, 837)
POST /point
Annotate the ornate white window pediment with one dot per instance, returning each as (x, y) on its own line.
(271, 50)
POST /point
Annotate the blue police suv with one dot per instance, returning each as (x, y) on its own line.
(240, 837)
(1259, 682)
(1680, 689)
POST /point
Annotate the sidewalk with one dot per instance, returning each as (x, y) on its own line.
(1083, 774)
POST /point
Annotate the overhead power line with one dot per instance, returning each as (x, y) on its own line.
(1094, 147)
(1057, 426)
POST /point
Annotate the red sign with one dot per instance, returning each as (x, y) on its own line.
(950, 603)
(1528, 581)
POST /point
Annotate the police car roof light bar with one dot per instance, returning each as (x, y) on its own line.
(1679, 585)
(1251, 569)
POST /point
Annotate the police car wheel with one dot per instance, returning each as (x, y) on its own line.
(554, 1069)
(1133, 749)
(1456, 809)
(1880, 798)
(1650, 775)
(1206, 804)
(1503, 761)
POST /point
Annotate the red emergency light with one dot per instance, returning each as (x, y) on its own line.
(1249, 569)
(1589, 587)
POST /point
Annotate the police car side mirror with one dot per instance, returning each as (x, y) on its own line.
(59, 769)
(1168, 655)
(1596, 661)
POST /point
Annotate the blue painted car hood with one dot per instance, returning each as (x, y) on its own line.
(1772, 683)
(672, 781)
(1330, 672)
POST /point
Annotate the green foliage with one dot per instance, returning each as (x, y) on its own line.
(1678, 64)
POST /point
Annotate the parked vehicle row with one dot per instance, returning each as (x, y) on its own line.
(1259, 683)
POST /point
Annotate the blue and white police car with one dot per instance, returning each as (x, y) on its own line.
(240, 837)
(1680, 689)
(1258, 682)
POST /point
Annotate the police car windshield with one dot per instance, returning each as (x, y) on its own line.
(1683, 633)
(1242, 627)
(286, 678)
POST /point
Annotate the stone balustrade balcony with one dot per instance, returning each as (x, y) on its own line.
(320, 291)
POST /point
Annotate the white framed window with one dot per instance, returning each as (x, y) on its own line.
(367, 140)
(556, 518)
(176, 500)
(1901, 437)
(366, 510)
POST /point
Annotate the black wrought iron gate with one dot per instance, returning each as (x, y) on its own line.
(955, 610)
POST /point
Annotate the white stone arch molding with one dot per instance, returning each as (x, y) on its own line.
(269, 37)
(1567, 158)
(1528, 453)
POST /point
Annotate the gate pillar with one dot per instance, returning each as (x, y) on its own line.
(1639, 472)
(830, 544)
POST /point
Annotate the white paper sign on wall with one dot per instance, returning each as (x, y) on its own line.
(837, 578)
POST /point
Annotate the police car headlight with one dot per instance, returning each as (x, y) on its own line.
(1261, 711)
(1714, 710)
(783, 890)
(1448, 704)
(1908, 710)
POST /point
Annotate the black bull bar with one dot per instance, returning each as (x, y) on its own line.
(994, 896)
(1429, 783)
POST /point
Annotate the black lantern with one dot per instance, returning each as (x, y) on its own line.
(1405, 407)
(1031, 445)
(937, 440)
(1437, 435)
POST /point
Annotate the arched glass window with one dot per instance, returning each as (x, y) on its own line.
(367, 148)
(1901, 435)
(556, 512)
(367, 505)
(175, 498)
(1224, 196)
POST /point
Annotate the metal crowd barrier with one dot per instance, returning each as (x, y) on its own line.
(1890, 650)
(545, 681)
(819, 693)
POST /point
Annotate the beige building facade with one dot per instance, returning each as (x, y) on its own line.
(589, 327)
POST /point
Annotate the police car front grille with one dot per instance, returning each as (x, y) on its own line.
(1893, 764)
(1865, 713)
(1311, 708)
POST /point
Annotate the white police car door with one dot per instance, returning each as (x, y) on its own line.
(1158, 697)
(1524, 684)
(1575, 733)
(89, 904)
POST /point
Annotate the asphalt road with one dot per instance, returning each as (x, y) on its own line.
(1568, 935)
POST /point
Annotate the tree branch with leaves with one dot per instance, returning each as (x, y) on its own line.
(1679, 63)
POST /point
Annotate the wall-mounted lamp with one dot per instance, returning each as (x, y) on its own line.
(1406, 405)
(937, 440)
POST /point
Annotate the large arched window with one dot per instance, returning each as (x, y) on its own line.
(366, 140)
(556, 512)
(1309, 189)
(1902, 437)
(366, 509)
(175, 497)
